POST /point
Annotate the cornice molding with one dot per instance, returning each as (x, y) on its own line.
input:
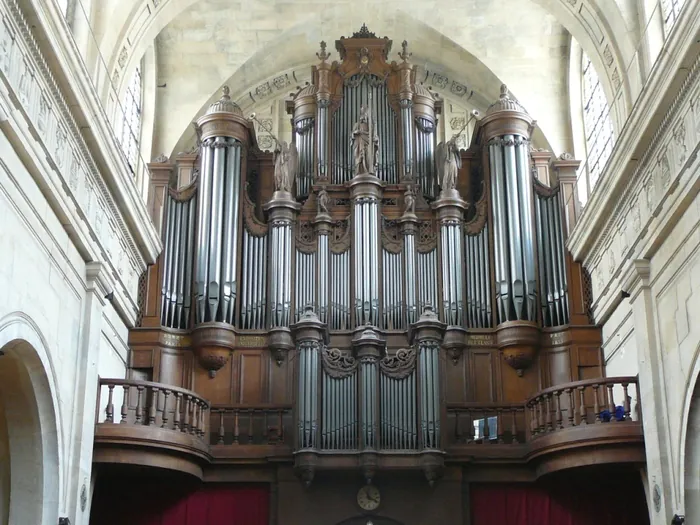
(627, 160)
(99, 147)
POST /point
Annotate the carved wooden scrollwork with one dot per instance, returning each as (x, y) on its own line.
(338, 364)
(399, 365)
(391, 236)
(475, 225)
(427, 237)
(255, 226)
(340, 236)
(184, 194)
(544, 191)
(306, 237)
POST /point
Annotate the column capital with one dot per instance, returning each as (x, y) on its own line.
(309, 328)
(368, 342)
(427, 328)
(636, 278)
(282, 206)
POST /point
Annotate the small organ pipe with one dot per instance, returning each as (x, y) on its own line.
(167, 256)
(215, 239)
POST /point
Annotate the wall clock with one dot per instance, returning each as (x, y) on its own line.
(368, 497)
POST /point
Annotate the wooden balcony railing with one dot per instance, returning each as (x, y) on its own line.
(596, 401)
(261, 424)
(143, 403)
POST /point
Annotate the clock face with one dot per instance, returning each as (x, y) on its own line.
(368, 497)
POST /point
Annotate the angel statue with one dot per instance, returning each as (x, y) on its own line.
(409, 201)
(323, 201)
(365, 143)
(286, 164)
(448, 163)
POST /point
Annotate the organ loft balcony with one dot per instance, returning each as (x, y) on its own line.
(379, 294)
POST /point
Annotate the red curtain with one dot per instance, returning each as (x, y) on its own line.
(134, 502)
(619, 501)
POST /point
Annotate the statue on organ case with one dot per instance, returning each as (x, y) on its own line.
(286, 162)
(365, 143)
(448, 163)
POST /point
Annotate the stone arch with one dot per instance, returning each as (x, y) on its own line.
(689, 449)
(30, 409)
(598, 26)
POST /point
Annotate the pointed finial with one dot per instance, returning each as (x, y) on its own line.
(404, 54)
(323, 54)
(227, 92)
(504, 91)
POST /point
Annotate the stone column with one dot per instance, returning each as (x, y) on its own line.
(660, 489)
(81, 437)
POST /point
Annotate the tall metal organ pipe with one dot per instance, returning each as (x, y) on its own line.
(424, 150)
(507, 128)
(366, 264)
(408, 230)
(218, 225)
(305, 138)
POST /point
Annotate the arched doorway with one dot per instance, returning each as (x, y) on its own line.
(29, 457)
(692, 458)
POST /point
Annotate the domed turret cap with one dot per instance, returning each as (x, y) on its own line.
(505, 103)
(225, 104)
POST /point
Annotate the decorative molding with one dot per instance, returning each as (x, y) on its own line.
(338, 364)
(28, 77)
(400, 365)
(645, 198)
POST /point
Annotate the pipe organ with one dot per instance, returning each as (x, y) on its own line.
(368, 251)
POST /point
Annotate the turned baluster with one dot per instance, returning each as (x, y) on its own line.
(235, 425)
(125, 404)
(548, 398)
(559, 415)
(458, 427)
(533, 419)
(109, 412)
(186, 414)
(487, 430)
(626, 403)
(194, 428)
(222, 432)
(251, 412)
(513, 427)
(280, 433)
(470, 427)
(499, 425)
(540, 415)
(570, 393)
(204, 419)
(611, 403)
(164, 423)
(139, 405)
(154, 406)
(178, 407)
(596, 403)
(582, 408)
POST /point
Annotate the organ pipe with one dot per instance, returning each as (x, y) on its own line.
(218, 227)
(366, 263)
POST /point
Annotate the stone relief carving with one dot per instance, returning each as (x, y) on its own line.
(665, 170)
(263, 90)
(608, 56)
(616, 79)
(25, 70)
(440, 81)
(457, 123)
(123, 55)
(679, 139)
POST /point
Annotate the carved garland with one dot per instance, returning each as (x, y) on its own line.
(474, 226)
(391, 238)
(306, 237)
(400, 365)
(427, 237)
(253, 225)
(340, 236)
(337, 364)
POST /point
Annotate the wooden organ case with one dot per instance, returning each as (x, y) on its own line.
(368, 299)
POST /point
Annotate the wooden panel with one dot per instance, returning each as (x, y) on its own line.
(170, 367)
(559, 366)
(482, 377)
(455, 379)
(589, 356)
(251, 376)
(516, 388)
(280, 389)
(216, 390)
(142, 358)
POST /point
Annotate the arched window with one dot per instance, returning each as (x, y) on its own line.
(63, 6)
(597, 125)
(670, 10)
(129, 122)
